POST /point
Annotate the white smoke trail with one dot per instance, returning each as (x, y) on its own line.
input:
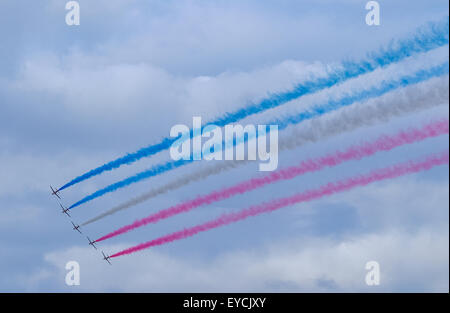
(407, 100)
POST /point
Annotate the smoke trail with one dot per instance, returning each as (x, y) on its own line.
(331, 105)
(313, 194)
(409, 100)
(426, 38)
(383, 143)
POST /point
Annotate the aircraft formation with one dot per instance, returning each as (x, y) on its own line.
(76, 227)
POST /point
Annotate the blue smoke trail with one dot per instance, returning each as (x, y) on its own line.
(426, 38)
(316, 111)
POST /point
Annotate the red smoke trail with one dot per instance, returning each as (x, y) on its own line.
(383, 143)
(326, 190)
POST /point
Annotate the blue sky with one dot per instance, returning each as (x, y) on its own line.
(72, 98)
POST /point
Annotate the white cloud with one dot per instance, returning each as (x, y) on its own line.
(75, 97)
(307, 264)
(412, 257)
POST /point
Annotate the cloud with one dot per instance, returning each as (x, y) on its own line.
(77, 104)
(411, 261)
(411, 258)
(72, 98)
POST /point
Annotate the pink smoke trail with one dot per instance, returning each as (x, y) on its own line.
(383, 143)
(326, 190)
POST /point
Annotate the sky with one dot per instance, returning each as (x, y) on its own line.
(75, 97)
